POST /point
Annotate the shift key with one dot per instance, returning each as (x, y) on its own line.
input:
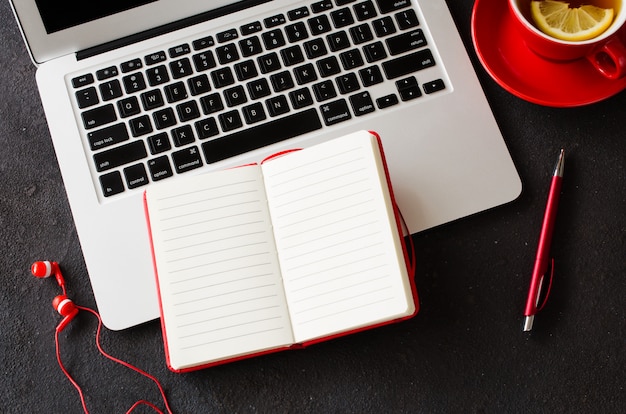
(119, 156)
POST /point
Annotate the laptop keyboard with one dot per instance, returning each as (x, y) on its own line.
(223, 94)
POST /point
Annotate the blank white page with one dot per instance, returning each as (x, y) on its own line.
(219, 279)
(339, 249)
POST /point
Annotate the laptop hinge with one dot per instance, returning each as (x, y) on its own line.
(157, 31)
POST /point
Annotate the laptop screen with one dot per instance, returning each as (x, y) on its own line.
(63, 14)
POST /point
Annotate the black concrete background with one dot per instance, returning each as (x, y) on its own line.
(464, 352)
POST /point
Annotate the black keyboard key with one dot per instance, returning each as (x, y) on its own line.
(408, 88)
(292, 55)
(269, 62)
(206, 128)
(110, 90)
(159, 143)
(96, 117)
(250, 46)
(277, 105)
(135, 176)
(131, 65)
(163, 119)
(160, 168)
(227, 53)
(338, 41)
(152, 99)
(407, 19)
(181, 68)
(254, 113)
(204, 61)
(319, 24)
(259, 88)
(134, 83)
(154, 58)
(129, 106)
(347, 83)
(199, 84)
(157, 75)
(281, 81)
(227, 35)
(187, 159)
(106, 73)
(175, 92)
(261, 135)
(328, 66)
(371, 76)
(386, 6)
(111, 183)
(203, 43)
(343, 2)
(324, 91)
(387, 101)
(188, 111)
(434, 86)
(404, 42)
(374, 52)
(140, 126)
(361, 34)
(384, 27)
(305, 74)
(362, 103)
(87, 97)
(211, 103)
(315, 48)
(342, 17)
(235, 96)
(298, 13)
(250, 28)
(321, 6)
(83, 80)
(222, 77)
(183, 136)
(301, 98)
(108, 136)
(408, 64)
(118, 156)
(179, 50)
(230, 120)
(274, 21)
(335, 112)
(351, 59)
(364, 10)
(296, 32)
(246, 70)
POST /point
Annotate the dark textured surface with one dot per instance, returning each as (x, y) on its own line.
(464, 352)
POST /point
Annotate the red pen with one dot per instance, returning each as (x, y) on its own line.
(542, 260)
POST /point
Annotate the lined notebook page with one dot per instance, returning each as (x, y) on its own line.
(219, 280)
(341, 258)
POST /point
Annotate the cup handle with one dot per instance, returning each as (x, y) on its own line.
(610, 59)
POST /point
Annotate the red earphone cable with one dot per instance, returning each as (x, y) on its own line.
(114, 359)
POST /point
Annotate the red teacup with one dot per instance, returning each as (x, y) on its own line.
(606, 52)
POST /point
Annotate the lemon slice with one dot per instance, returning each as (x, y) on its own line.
(557, 19)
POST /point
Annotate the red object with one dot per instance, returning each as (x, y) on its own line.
(504, 55)
(542, 260)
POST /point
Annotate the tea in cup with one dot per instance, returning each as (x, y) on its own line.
(605, 48)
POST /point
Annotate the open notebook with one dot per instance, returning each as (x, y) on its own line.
(303, 247)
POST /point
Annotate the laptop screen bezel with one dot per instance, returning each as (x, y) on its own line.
(44, 46)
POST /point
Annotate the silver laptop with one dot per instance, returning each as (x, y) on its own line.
(140, 91)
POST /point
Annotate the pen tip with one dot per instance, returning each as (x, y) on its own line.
(528, 323)
(560, 163)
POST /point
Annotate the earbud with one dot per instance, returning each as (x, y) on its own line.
(66, 308)
(44, 269)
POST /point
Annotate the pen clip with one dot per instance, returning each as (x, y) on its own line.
(545, 297)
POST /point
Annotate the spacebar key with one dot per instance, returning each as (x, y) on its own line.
(261, 136)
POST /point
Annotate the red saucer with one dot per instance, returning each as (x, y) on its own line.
(523, 73)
